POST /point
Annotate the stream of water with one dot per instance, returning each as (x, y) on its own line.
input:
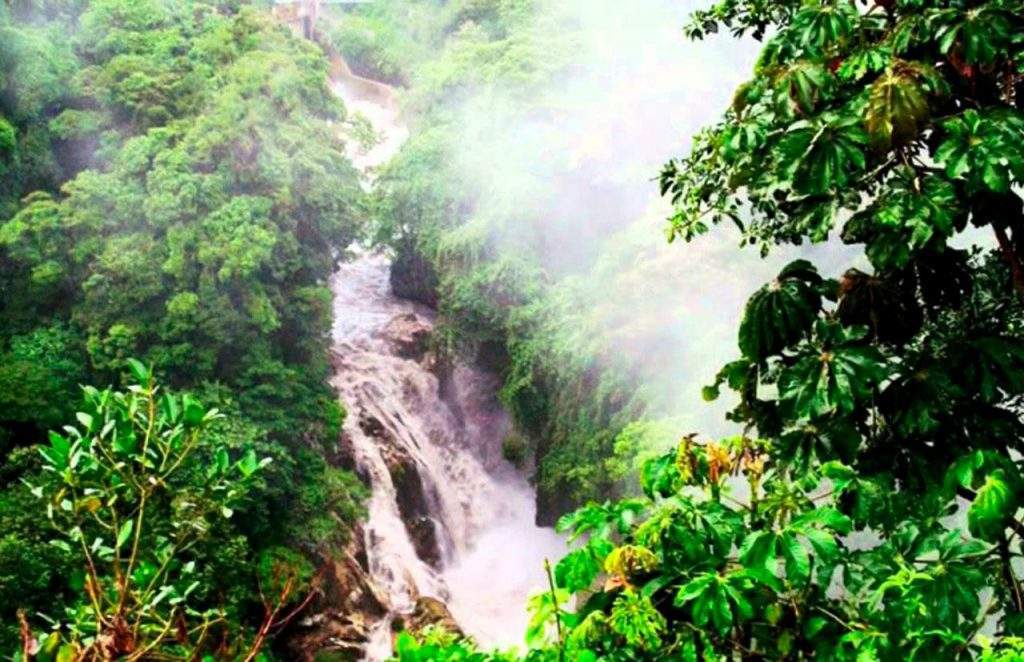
(473, 542)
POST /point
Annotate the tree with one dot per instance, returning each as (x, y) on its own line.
(889, 400)
(130, 491)
(899, 118)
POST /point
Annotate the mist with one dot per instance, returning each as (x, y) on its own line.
(566, 172)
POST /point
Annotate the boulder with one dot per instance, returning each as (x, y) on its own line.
(408, 335)
(336, 623)
(431, 611)
(412, 277)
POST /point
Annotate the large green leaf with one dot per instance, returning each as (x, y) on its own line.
(910, 213)
(836, 373)
(993, 506)
(660, 476)
(979, 33)
(897, 107)
(717, 600)
(798, 561)
(781, 312)
(578, 569)
(993, 366)
(758, 550)
(984, 149)
(801, 84)
(819, 27)
(822, 155)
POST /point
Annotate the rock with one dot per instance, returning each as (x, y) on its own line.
(423, 532)
(492, 356)
(411, 493)
(372, 427)
(412, 277)
(348, 582)
(413, 504)
(552, 503)
(431, 611)
(515, 448)
(337, 637)
(336, 624)
(442, 366)
(408, 335)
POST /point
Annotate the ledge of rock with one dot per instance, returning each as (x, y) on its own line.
(409, 335)
(431, 611)
(337, 622)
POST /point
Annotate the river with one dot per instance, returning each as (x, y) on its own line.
(448, 518)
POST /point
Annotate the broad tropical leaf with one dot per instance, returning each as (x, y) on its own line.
(996, 502)
(897, 107)
(823, 154)
(835, 374)
(780, 313)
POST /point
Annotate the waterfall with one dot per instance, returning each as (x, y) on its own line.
(448, 517)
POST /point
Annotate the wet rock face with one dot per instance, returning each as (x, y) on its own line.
(348, 583)
(329, 636)
(431, 611)
(413, 504)
(408, 335)
(411, 494)
(413, 278)
(372, 427)
(423, 531)
(336, 624)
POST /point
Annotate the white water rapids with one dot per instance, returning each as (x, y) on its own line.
(479, 509)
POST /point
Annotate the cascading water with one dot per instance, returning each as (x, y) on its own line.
(448, 518)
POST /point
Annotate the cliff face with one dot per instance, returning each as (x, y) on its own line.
(337, 624)
(413, 277)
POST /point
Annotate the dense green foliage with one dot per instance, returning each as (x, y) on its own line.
(173, 187)
(133, 493)
(176, 190)
(870, 509)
